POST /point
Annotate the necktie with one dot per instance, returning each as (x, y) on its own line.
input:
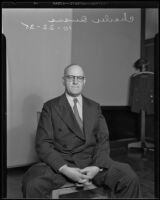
(76, 113)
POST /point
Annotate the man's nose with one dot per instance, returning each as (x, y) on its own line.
(75, 80)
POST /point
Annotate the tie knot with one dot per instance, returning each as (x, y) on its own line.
(75, 100)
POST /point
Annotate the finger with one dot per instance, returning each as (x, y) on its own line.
(84, 170)
(88, 183)
(82, 181)
(77, 169)
(85, 173)
(79, 185)
(83, 176)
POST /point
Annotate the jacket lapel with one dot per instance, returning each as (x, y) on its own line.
(65, 112)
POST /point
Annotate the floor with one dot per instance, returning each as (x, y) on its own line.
(143, 167)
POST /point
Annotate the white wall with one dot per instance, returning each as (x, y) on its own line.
(107, 51)
(36, 60)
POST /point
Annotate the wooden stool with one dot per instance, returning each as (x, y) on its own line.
(69, 188)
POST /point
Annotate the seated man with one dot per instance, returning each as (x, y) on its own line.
(72, 142)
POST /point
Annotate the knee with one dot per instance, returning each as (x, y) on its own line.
(131, 175)
(30, 188)
(33, 184)
(135, 179)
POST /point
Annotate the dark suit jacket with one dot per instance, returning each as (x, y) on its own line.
(60, 141)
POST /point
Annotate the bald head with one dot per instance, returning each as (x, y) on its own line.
(74, 80)
(76, 68)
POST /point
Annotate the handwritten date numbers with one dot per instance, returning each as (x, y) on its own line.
(51, 27)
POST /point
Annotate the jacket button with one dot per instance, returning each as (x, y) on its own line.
(59, 129)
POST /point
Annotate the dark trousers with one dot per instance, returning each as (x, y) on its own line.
(40, 180)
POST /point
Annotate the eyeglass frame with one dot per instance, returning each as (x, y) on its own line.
(71, 78)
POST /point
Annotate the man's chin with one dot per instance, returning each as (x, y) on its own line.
(74, 94)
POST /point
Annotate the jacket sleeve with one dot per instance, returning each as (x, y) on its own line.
(45, 141)
(101, 157)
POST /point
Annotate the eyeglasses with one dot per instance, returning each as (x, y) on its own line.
(72, 78)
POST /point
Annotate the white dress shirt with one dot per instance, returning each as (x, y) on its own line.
(79, 104)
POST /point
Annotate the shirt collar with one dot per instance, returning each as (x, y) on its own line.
(70, 98)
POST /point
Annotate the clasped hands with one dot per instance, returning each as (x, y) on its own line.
(81, 176)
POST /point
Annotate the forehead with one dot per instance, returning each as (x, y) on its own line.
(75, 70)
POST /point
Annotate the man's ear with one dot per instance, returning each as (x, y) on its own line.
(63, 81)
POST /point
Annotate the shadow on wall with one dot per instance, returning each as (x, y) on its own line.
(21, 139)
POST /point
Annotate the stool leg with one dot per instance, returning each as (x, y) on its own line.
(58, 192)
(55, 194)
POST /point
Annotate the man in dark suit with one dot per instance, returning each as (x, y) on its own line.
(72, 142)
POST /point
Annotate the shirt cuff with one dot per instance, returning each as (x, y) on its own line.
(62, 167)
